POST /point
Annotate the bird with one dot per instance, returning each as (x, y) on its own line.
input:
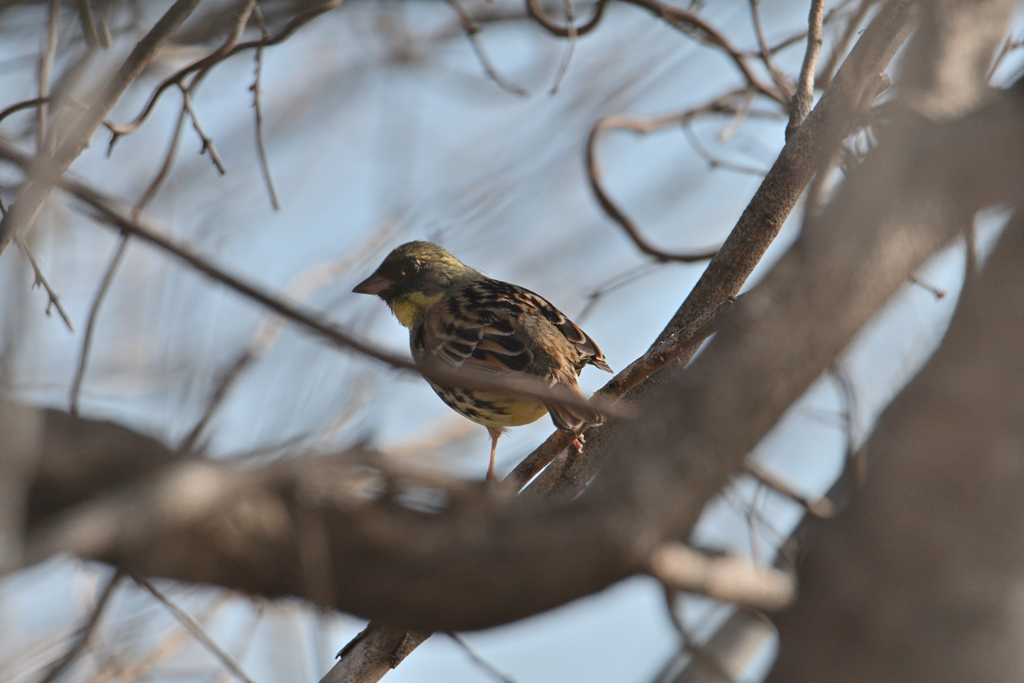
(462, 322)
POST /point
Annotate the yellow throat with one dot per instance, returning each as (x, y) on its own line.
(411, 308)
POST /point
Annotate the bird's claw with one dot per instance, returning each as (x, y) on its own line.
(578, 442)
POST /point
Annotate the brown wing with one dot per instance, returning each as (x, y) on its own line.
(587, 347)
(496, 327)
(478, 324)
(473, 329)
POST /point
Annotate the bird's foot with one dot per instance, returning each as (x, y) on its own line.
(578, 442)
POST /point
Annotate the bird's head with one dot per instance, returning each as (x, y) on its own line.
(414, 277)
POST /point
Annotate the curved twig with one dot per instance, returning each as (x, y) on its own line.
(25, 104)
(569, 30)
(639, 124)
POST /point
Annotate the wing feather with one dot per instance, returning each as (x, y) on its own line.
(490, 326)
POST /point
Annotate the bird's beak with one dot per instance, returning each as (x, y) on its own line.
(375, 284)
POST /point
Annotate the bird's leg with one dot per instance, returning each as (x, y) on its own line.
(495, 433)
(578, 442)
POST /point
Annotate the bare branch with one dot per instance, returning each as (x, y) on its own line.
(227, 50)
(641, 125)
(471, 30)
(375, 651)
(92, 38)
(44, 170)
(570, 47)
(803, 99)
(727, 577)
(115, 262)
(257, 108)
(758, 225)
(26, 104)
(781, 82)
(533, 8)
(486, 666)
(822, 508)
(84, 633)
(208, 146)
(836, 112)
(195, 628)
(40, 281)
(46, 72)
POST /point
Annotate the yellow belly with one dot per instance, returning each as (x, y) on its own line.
(525, 412)
(490, 409)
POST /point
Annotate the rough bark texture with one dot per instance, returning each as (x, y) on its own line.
(921, 579)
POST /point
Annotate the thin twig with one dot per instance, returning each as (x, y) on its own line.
(245, 638)
(200, 68)
(753, 517)
(694, 26)
(766, 55)
(256, 90)
(85, 632)
(534, 10)
(115, 262)
(195, 628)
(939, 294)
(803, 99)
(269, 328)
(208, 145)
(92, 38)
(25, 104)
(687, 643)
(173, 637)
(715, 162)
(45, 171)
(822, 508)
(480, 661)
(570, 46)
(40, 281)
(855, 458)
(471, 30)
(46, 71)
(1008, 46)
(839, 48)
(214, 58)
(742, 112)
(90, 325)
(611, 284)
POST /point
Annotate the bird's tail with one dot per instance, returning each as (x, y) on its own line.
(572, 416)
